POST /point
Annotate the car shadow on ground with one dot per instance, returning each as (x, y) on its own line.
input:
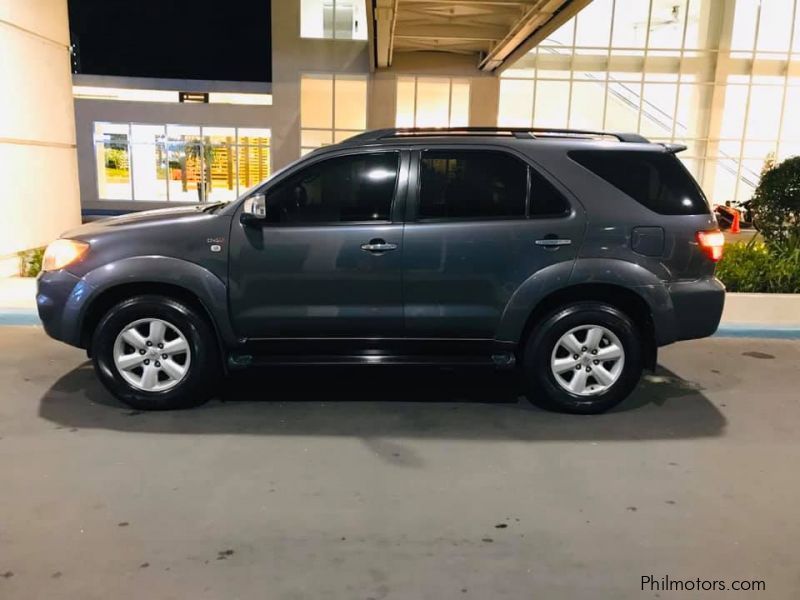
(390, 402)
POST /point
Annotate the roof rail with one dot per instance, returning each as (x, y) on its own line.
(518, 132)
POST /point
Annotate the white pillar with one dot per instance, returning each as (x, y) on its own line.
(38, 164)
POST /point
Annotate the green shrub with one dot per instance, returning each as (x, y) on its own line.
(757, 267)
(776, 203)
(30, 262)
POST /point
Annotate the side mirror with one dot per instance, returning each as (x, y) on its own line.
(254, 208)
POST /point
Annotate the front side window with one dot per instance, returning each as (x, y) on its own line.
(471, 184)
(357, 188)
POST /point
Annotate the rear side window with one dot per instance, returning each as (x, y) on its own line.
(656, 180)
(471, 184)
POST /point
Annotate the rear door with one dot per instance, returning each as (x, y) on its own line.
(480, 221)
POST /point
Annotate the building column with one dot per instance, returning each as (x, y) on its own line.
(39, 195)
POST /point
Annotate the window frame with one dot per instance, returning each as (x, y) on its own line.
(333, 37)
(396, 206)
(415, 186)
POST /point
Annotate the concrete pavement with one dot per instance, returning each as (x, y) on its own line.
(360, 483)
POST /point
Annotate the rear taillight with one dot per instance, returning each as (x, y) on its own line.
(711, 243)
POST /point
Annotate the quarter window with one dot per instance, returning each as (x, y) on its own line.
(656, 180)
(469, 184)
(342, 189)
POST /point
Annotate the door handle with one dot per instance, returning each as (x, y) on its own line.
(378, 245)
(553, 243)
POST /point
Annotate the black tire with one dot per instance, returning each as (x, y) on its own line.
(199, 383)
(545, 391)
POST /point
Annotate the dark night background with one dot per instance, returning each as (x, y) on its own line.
(173, 39)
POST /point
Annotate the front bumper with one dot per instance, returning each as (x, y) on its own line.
(59, 298)
(697, 307)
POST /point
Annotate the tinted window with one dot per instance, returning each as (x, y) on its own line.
(658, 181)
(546, 200)
(348, 188)
(473, 184)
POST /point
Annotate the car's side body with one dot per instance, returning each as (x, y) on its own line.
(450, 289)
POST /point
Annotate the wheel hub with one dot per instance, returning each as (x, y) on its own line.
(587, 360)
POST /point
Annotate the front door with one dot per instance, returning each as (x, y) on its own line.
(480, 223)
(327, 260)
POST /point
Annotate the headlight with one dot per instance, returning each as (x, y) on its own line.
(61, 253)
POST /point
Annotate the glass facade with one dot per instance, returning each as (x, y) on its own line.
(332, 108)
(432, 102)
(333, 19)
(718, 76)
(178, 163)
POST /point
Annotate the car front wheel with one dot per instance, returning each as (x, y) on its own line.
(156, 353)
(583, 358)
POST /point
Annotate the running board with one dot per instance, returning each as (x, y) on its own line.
(498, 361)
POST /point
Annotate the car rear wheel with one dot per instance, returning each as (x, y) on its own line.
(583, 358)
(155, 353)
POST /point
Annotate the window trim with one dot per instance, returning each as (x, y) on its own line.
(398, 196)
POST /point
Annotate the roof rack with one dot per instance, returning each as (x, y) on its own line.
(517, 132)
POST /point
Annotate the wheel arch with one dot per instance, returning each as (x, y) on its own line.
(624, 299)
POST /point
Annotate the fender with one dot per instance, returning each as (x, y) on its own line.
(195, 279)
(606, 271)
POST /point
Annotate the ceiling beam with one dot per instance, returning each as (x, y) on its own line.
(539, 22)
(474, 2)
(450, 32)
(385, 15)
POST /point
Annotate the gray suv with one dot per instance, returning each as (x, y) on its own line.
(569, 255)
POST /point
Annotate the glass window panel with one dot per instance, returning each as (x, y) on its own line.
(220, 153)
(344, 189)
(185, 171)
(112, 155)
(733, 116)
(405, 102)
(515, 107)
(433, 100)
(459, 104)
(630, 24)
(764, 114)
(748, 179)
(351, 103)
(552, 104)
(311, 19)
(468, 184)
(791, 115)
(340, 136)
(252, 157)
(744, 25)
(788, 149)
(692, 115)
(724, 173)
(594, 24)
(149, 162)
(316, 101)
(312, 138)
(622, 107)
(758, 150)
(666, 23)
(774, 28)
(563, 36)
(697, 25)
(658, 108)
(586, 110)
